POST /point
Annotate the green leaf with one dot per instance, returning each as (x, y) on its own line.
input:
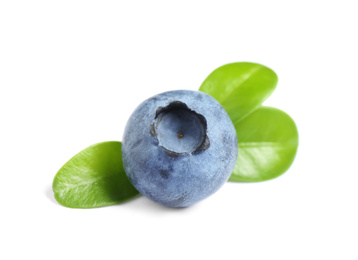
(268, 141)
(240, 87)
(268, 137)
(94, 178)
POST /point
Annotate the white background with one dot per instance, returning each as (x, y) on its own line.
(72, 72)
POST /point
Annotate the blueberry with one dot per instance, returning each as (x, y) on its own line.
(179, 147)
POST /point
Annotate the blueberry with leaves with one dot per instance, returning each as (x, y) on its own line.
(267, 141)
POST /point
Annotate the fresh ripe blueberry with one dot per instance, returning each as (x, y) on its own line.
(179, 147)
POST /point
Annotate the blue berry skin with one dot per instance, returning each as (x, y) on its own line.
(179, 147)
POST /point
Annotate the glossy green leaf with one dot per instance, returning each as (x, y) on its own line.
(268, 142)
(93, 178)
(240, 87)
